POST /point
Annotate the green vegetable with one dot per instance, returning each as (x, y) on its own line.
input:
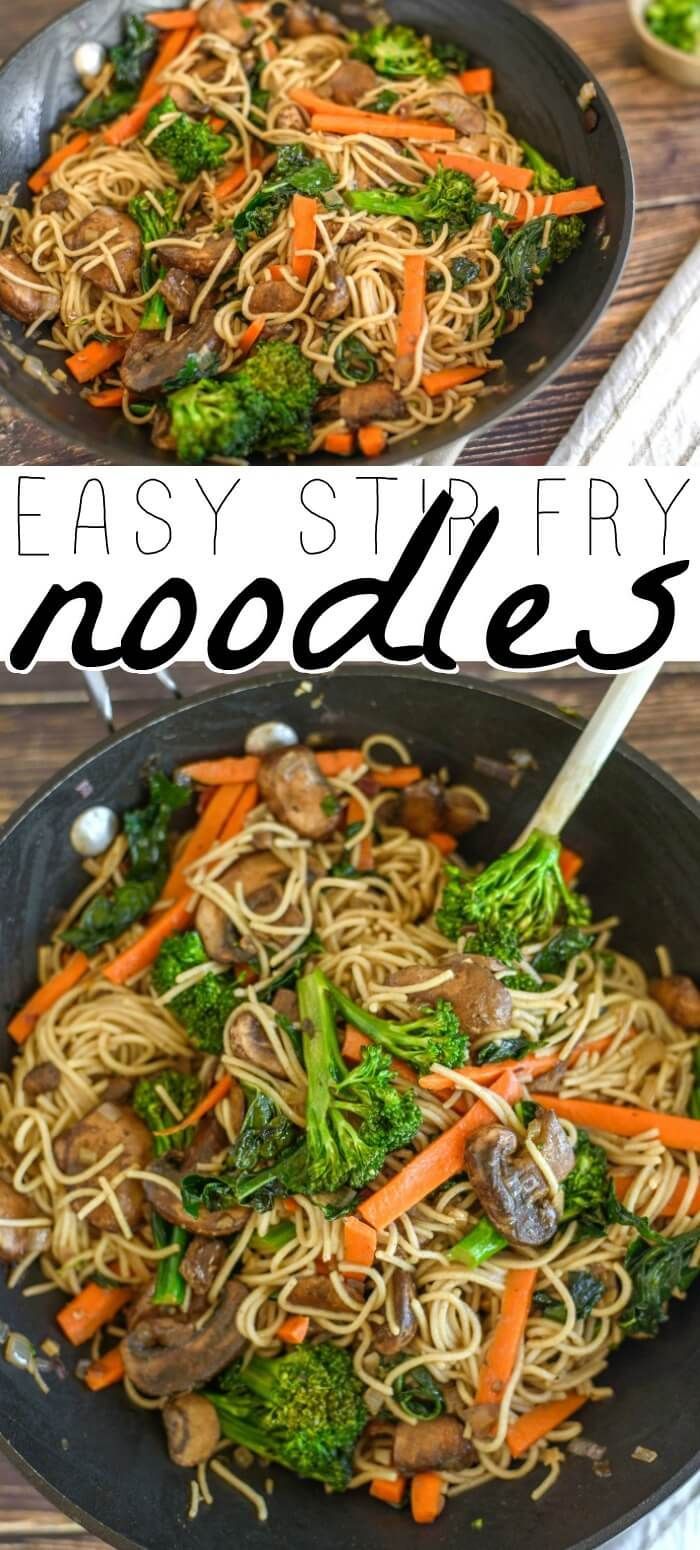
(546, 180)
(463, 271)
(266, 407)
(417, 1393)
(658, 1266)
(154, 224)
(586, 1290)
(522, 890)
(304, 1410)
(296, 171)
(395, 51)
(270, 1242)
(263, 1164)
(170, 1289)
(524, 259)
(675, 22)
(694, 1100)
(130, 60)
(288, 976)
(147, 830)
(148, 1104)
(586, 1189)
(510, 1048)
(204, 1007)
(493, 941)
(434, 1036)
(450, 56)
(448, 198)
(105, 108)
(385, 101)
(354, 361)
(558, 952)
(188, 144)
(481, 1243)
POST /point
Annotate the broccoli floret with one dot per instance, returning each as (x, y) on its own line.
(435, 1036)
(586, 1188)
(203, 1008)
(523, 890)
(396, 51)
(546, 180)
(191, 147)
(450, 55)
(183, 1090)
(304, 1410)
(354, 1119)
(448, 198)
(676, 22)
(265, 407)
(296, 171)
(155, 220)
(565, 235)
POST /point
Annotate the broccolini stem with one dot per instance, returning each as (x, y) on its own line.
(170, 1289)
(479, 1245)
(374, 1027)
(322, 1057)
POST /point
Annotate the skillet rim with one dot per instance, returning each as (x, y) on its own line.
(21, 393)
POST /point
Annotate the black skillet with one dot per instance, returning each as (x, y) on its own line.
(105, 1464)
(538, 79)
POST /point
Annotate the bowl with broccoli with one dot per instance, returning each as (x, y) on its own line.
(669, 34)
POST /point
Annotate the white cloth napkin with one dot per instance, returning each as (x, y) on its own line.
(675, 1525)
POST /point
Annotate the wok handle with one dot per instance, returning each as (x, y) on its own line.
(99, 691)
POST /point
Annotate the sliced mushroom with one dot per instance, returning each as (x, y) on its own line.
(452, 107)
(427, 806)
(224, 17)
(167, 1202)
(351, 81)
(199, 255)
(302, 20)
(157, 1369)
(285, 1002)
(482, 1002)
(117, 1090)
(15, 1239)
(343, 232)
(297, 793)
(335, 296)
(437, 1444)
(680, 998)
(55, 202)
(202, 1262)
(192, 1429)
(402, 1291)
(292, 117)
(43, 1078)
(117, 231)
(18, 296)
(370, 401)
(210, 1138)
(510, 1186)
(256, 874)
(151, 362)
(248, 1040)
(107, 1126)
(179, 291)
(550, 1138)
(319, 1293)
(273, 296)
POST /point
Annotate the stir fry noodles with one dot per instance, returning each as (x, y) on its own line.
(346, 1157)
(260, 233)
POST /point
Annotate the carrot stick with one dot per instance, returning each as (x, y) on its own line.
(538, 1423)
(172, 45)
(365, 855)
(229, 185)
(340, 443)
(476, 166)
(427, 1497)
(401, 775)
(294, 1329)
(136, 958)
(354, 1043)
(248, 799)
(437, 382)
(276, 271)
(501, 1356)
(216, 123)
(94, 1306)
(437, 1163)
(595, 1047)
(573, 201)
(209, 1101)
(169, 21)
(476, 82)
(111, 398)
(223, 772)
(130, 124)
(570, 864)
(412, 315)
(303, 235)
(622, 1183)
(312, 101)
(390, 1491)
(250, 335)
(205, 834)
(269, 49)
(527, 1067)
(675, 1130)
(23, 1023)
(335, 761)
(445, 843)
(372, 440)
(106, 1370)
(95, 359)
(384, 126)
(359, 1245)
(42, 176)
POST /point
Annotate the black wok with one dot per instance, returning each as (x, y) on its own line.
(639, 832)
(538, 79)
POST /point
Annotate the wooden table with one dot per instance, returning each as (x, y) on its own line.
(50, 719)
(660, 121)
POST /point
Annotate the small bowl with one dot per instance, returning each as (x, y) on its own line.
(682, 68)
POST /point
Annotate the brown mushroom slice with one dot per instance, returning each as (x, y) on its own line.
(201, 1263)
(351, 81)
(42, 1078)
(454, 108)
(209, 1139)
(436, 1444)
(286, 1003)
(199, 256)
(121, 236)
(292, 117)
(224, 17)
(297, 793)
(482, 1002)
(157, 1369)
(318, 1292)
(192, 1429)
(344, 232)
(18, 295)
(510, 1187)
(270, 296)
(335, 296)
(370, 401)
(93, 1137)
(420, 808)
(680, 998)
(402, 1291)
(551, 1140)
(179, 291)
(151, 361)
(247, 1040)
(462, 813)
(208, 1224)
(300, 20)
(55, 202)
(16, 1239)
(254, 874)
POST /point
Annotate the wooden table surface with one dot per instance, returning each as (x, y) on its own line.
(49, 717)
(660, 121)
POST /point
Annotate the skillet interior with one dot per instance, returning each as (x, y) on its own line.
(641, 838)
(538, 78)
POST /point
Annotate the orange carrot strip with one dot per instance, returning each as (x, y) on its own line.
(675, 1130)
(223, 772)
(573, 201)
(355, 1042)
(570, 864)
(209, 1101)
(303, 235)
(133, 960)
(622, 1183)
(248, 799)
(527, 1067)
(401, 775)
(172, 45)
(269, 49)
(498, 1363)
(276, 271)
(250, 335)
(412, 315)
(231, 183)
(340, 443)
(216, 123)
(538, 1423)
(42, 176)
(476, 82)
(130, 124)
(23, 1023)
(445, 843)
(427, 1497)
(390, 1491)
(94, 1306)
(372, 440)
(595, 1047)
(94, 359)
(384, 126)
(111, 398)
(476, 166)
(333, 761)
(365, 855)
(305, 98)
(437, 382)
(359, 1246)
(294, 1329)
(171, 21)
(437, 1163)
(205, 834)
(106, 1370)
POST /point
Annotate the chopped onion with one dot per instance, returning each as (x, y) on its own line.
(645, 1455)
